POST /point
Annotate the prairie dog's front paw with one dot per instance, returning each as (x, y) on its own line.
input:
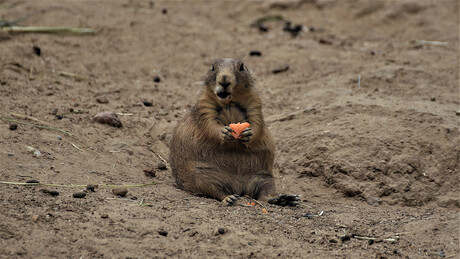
(285, 200)
(230, 200)
(246, 135)
(227, 133)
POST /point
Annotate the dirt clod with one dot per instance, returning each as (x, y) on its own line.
(162, 166)
(104, 215)
(108, 118)
(32, 181)
(50, 192)
(91, 187)
(120, 191)
(102, 99)
(79, 195)
(13, 126)
(149, 172)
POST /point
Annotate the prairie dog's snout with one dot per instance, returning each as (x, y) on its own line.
(225, 81)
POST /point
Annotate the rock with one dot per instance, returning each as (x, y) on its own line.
(457, 113)
(104, 215)
(162, 166)
(108, 118)
(59, 137)
(120, 191)
(102, 99)
(91, 187)
(432, 98)
(255, 53)
(149, 173)
(280, 69)
(333, 241)
(32, 181)
(13, 126)
(59, 117)
(163, 232)
(164, 11)
(50, 192)
(36, 152)
(294, 29)
(147, 103)
(79, 195)
(220, 231)
(156, 79)
(54, 111)
(10, 154)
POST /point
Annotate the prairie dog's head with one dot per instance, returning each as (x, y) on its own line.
(228, 78)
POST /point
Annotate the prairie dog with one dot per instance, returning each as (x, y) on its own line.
(206, 159)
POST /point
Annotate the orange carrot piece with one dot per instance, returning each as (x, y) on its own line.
(264, 210)
(238, 128)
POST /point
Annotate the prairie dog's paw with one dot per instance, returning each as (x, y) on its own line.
(230, 200)
(245, 135)
(227, 133)
(285, 200)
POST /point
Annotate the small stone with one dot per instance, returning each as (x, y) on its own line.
(457, 113)
(281, 69)
(219, 231)
(79, 195)
(333, 241)
(163, 232)
(50, 192)
(36, 152)
(147, 103)
(372, 53)
(59, 117)
(35, 217)
(102, 99)
(432, 98)
(32, 181)
(345, 238)
(13, 126)
(370, 242)
(164, 11)
(149, 173)
(10, 154)
(91, 187)
(37, 50)
(108, 118)
(54, 111)
(156, 79)
(255, 53)
(162, 166)
(59, 137)
(120, 191)
(104, 215)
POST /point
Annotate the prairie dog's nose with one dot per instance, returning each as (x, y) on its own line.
(224, 82)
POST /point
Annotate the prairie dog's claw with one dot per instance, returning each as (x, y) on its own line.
(245, 135)
(227, 133)
(230, 200)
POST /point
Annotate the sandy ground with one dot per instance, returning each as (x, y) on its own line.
(365, 121)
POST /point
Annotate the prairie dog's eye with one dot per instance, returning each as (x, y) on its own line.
(212, 68)
(242, 67)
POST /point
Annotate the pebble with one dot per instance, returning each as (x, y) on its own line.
(163, 232)
(104, 215)
(147, 103)
(281, 69)
(255, 53)
(457, 113)
(149, 173)
(120, 191)
(108, 118)
(79, 195)
(50, 192)
(102, 99)
(220, 231)
(55, 111)
(333, 240)
(91, 187)
(59, 117)
(162, 166)
(36, 152)
(164, 11)
(59, 137)
(156, 79)
(432, 98)
(32, 181)
(13, 126)
(10, 154)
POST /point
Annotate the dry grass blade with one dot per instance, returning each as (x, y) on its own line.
(79, 185)
(53, 30)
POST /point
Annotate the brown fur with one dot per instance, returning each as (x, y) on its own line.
(203, 161)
